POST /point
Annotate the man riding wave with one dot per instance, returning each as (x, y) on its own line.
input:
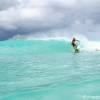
(74, 44)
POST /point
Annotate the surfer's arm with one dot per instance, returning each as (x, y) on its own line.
(77, 40)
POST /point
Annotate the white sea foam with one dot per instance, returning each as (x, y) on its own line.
(86, 44)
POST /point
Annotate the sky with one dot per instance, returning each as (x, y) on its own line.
(23, 18)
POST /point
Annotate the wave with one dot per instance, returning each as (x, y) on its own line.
(38, 46)
(47, 45)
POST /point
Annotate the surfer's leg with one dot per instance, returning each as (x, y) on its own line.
(75, 47)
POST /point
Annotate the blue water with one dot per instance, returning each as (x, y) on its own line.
(47, 70)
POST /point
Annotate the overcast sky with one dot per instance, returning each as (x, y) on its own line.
(37, 17)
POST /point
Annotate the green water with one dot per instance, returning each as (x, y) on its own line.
(47, 70)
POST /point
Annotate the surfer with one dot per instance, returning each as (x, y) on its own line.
(74, 44)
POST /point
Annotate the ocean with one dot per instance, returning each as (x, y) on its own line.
(49, 70)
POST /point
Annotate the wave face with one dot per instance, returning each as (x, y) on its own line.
(37, 46)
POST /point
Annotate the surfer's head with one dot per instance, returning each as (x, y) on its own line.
(74, 39)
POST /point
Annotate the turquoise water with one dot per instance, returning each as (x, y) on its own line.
(47, 70)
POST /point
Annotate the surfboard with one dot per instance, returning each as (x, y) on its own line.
(77, 50)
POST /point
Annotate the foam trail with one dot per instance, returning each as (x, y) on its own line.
(92, 46)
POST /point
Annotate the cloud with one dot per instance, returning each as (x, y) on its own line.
(5, 4)
(25, 17)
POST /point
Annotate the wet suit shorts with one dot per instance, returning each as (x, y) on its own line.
(73, 44)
